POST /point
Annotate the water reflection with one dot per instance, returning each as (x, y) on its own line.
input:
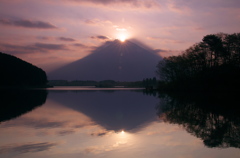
(114, 110)
(213, 118)
(14, 103)
(97, 123)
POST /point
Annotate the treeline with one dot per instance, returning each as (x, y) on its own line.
(210, 65)
(105, 83)
(16, 72)
(150, 83)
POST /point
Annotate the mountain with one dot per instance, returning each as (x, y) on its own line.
(114, 60)
(16, 72)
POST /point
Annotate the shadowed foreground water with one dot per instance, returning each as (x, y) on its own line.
(89, 122)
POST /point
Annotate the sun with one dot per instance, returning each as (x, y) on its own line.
(122, 37)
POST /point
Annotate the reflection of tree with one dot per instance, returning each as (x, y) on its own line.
(14, 103)
(213, 118)
(150, 93)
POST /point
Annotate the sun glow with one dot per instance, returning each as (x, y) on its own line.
(122, 36)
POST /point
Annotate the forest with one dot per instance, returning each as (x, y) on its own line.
(18, 73)
(210, 65)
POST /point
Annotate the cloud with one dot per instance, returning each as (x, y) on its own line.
(178, 7)
(101, 149)
(149, 4)
(90, 22)
(159, 50)
(35, 123)
(79, 45)
(43, 38)
(97, 22)
(101, 133)
(166, 53)
(166, 40)
(83, 46)
(153, 38)
(50, 46)
(66, 39)
(26, 148)
(18, 49)
(100, 37)
(121, 29)
(92, 149)
(65, 132)
(199, 28)
(32, 48)
(27, 24)
(42, 47)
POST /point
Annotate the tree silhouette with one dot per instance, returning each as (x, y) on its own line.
(204, 116)
(215, 46)
(213, 64)
(16, 72)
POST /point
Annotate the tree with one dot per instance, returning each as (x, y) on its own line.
(213, 61)
(214, 43)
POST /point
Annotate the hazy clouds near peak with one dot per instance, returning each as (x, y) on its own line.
(100, 37)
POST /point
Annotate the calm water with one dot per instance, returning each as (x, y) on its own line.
(113, 123)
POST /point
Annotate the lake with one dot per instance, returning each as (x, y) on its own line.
(114, 123)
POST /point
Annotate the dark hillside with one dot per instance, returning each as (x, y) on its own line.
(16, 72)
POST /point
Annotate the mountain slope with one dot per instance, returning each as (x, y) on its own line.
(114, 60)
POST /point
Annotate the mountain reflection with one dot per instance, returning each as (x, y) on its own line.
(14, 103)
(213, 118)
(113, 110)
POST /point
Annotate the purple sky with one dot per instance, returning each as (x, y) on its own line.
(50, 33)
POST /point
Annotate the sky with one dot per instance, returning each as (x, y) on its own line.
(51, 33)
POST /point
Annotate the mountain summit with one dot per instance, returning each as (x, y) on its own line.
(114, 60)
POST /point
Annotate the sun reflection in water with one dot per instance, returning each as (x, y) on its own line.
(122, 134)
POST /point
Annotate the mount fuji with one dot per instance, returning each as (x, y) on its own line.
(114, 60)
